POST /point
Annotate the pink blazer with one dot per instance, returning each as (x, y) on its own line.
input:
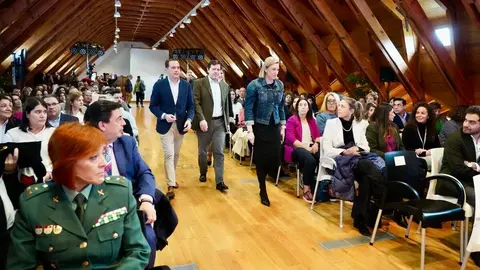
(294, 133)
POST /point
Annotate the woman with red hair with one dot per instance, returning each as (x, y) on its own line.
(81, 219)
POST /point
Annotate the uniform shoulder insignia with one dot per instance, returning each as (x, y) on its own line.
(33, 190)
(116, 180)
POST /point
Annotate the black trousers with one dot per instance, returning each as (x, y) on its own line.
(266, 151)
(308, 163)
(139, 98)
(370, 183)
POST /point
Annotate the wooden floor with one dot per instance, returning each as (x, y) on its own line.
(234, 231)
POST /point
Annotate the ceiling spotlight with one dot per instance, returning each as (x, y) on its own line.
(117, 36)
(171, 35)
(117, 30)
(182, 25)
(115, 46)
(118, 4)
(194, 13)
(116, 15)
(206, 3)
(115, 41)
(174, 31)
(187, 20)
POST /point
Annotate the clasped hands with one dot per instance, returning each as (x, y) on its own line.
(352, 151)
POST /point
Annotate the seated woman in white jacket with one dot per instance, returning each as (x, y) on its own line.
(34, 128)
(345, 136)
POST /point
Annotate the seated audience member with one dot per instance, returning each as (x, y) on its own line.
(391, 101)
(34, 128)
(242, 93)
(328, 110)
(419, 134)
(372, 97)
(302, 142)
(123, 159)
(401, 116)
(72, 211)
(382, 134)
(54, 116)
(461, 156)
(7, 122)
(455, 123)
(26, 92)
(313, 104)
(288, 104)
(17, 107)
(117, 90)
(37, 93)
(236, 105)
(74, 105)
(87, 98)
(369, 110)
(436, 107)
(16, 91)
(344, 139)
(117, 98)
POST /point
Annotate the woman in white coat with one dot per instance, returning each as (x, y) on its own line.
(345, 136)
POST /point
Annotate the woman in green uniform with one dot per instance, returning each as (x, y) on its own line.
(81, 220)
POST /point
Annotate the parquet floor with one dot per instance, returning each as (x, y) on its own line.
(234, 231)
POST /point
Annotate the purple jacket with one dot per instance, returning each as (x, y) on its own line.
(294, 133)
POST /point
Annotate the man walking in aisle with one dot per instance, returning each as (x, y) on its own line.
(213, 112)
(172, 103)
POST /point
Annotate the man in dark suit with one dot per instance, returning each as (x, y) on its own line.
(172, 103)
(54, 116)
(461, 159)
(123, 159)
(213, 113)
(401, 116)
(7, 122)
(461, 156)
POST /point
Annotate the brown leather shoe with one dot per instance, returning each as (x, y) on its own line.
(170, 193)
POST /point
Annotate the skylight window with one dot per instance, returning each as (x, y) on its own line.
(444, 35)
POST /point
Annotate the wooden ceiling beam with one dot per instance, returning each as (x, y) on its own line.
(297, 11)
(472, 7)
(9, 15)
(25, 25)
(48, 35)
(252, 67)
(437, 52)
(329, 18)
(366, 17)
(249, 12)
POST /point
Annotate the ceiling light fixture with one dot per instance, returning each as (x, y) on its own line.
(174, 31)
(117, 30)
(116, 14)
(186, 19)
(117, 36)
(118, 4)
(171, 35)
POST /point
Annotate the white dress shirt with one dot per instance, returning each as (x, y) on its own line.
(217, 98)
(7, 204)
(17, 135)
(2, 131)
(174, 88)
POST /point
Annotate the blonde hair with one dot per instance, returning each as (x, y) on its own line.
(357, 108)
(267, 63)
(323, 108)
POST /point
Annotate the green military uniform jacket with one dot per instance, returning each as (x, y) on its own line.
(47, 231)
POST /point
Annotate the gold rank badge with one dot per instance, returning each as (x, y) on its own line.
(57, 229)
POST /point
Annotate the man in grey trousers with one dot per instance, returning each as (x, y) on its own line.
(213, 113)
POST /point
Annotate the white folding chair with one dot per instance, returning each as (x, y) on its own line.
(474, 243)
(323, 175)
(437, 157)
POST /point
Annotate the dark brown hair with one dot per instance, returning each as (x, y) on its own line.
(213, 63)
(430, 124)
(309, 113)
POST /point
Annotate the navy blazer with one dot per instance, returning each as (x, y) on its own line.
(161, 102)
(131, 165)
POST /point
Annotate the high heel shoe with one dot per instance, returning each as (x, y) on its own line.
(264, 198)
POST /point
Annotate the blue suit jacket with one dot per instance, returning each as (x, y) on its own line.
(131, 165)
(161, 102)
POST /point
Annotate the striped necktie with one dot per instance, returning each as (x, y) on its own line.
(108, 159)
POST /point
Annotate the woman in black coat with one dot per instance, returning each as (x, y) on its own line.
(420, 135)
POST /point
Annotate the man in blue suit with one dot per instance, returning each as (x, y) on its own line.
(172, 104)
(123, 159)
